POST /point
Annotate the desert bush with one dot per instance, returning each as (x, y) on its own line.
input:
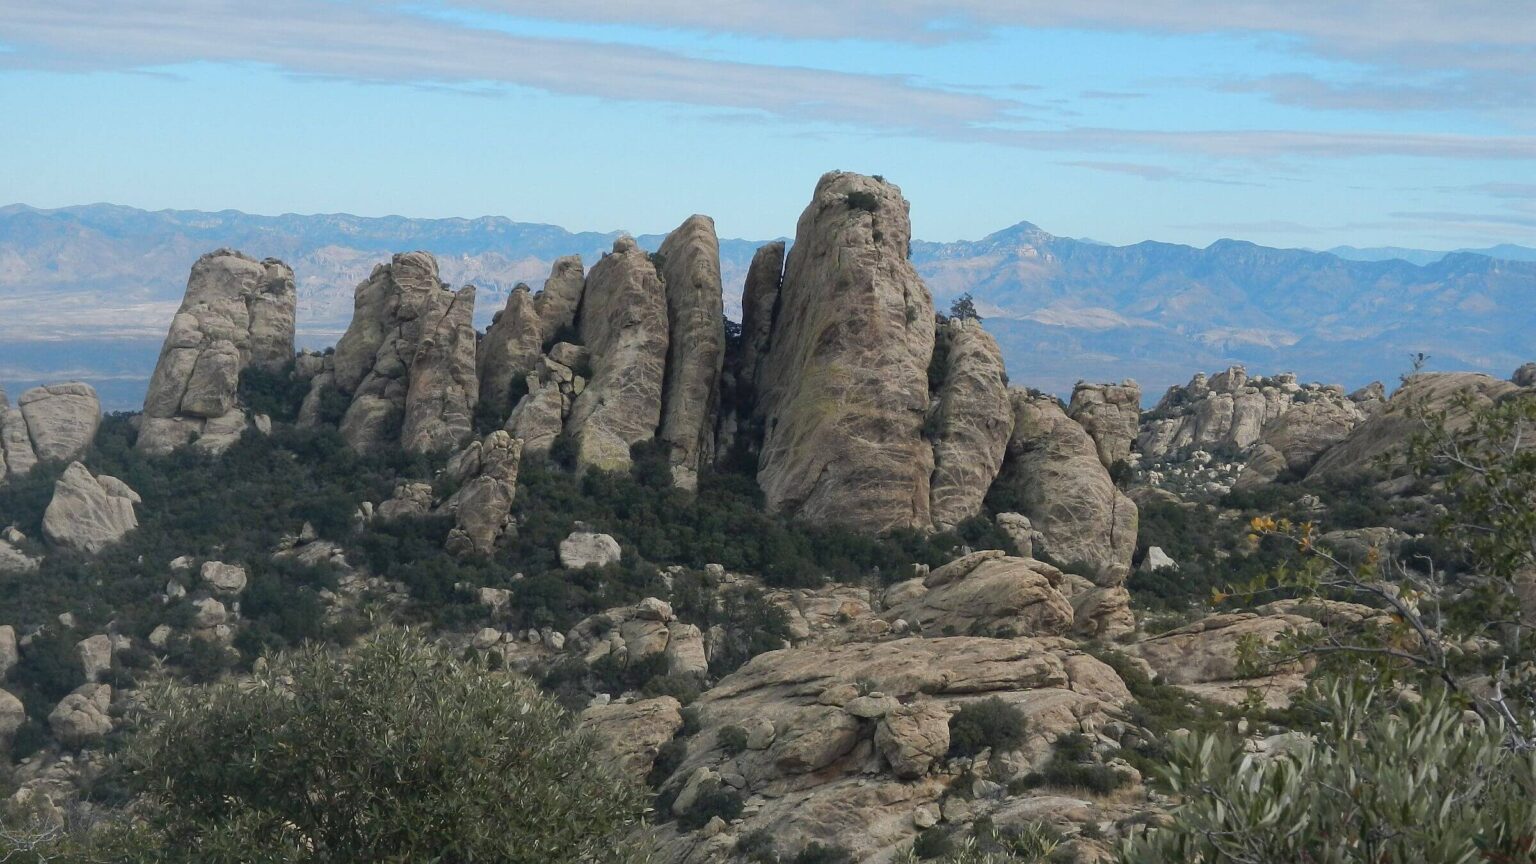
(989, 723)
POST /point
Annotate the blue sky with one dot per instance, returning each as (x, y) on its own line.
(1387, 122)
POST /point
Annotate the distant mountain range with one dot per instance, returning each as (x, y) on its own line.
(88, 292)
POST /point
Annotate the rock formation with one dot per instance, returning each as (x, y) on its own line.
(1227, 412)
(984, 594)
(624, 324)
(1294, 440)
(970, 421)
(404, 317)
(54, 423)
(512, 347)
(237, 312)
(89, 513)
(690, 269)
(1387, 432)
(1053, 475)
(1111, 413)
(844, 390)
(482, 507)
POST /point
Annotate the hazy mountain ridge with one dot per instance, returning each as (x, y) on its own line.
(1062, 309)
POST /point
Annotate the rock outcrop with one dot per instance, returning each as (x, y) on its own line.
(970, 421)
(1226, 412)
(1387, 432)
(54, 423)
(984, 594)
(81, 717)
(482, 506)
(585, 548)
(1053, 475)
(844, 390)
(407, 361)
(89, 513)
(511, 349)
(634, 731)
(1295, 439)
(690, 270)
(623, 323)
(1206, 657)
(237, 313)
(1111, 414)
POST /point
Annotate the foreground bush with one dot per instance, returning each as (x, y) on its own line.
(1382, 783)
(395, 752)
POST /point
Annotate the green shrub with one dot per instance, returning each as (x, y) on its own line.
(714, 799)
(933, 843)
(988, 723)
(861, 200)
(816, 853)
(395, 751)
(732, 739)
(669, 757)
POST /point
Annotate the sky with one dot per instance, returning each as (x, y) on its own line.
(1308, 123)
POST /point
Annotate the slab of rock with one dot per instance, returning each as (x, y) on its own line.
(61, 419)
(95, 656)
(89, 513)
(81, 717)
(844, 388)
(409, 499)
(1225, 412)
(511, 349)
(440, 401)
(237, 312)
(1387, 432)
(1053, 473)
(1111, 414)
(690, 269)
(1207, 650)
(624, 325)
(539, 417)
(1156, 559)
(13, 560)
(913, 737)
(583, 548)
(13, 715)
(482, 507)
(759, 299)
(558, 302)
(16, 455)
(634, 731)
(985, 593)
(8, 654)
(971, 419)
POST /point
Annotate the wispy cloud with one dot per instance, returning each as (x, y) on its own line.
(1156, 172)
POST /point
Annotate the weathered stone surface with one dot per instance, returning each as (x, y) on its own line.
(61, 419)
(1386, 433)
(237, 312)
(81, 717)
(409, 499)
(971, 419)
(913, 737)
(1053, 473)
(221, 578)
(1525, 376)
(1207, 650)
(440, 402)
(89, 513)
(539, 418)
(16, 455)
(397, 309)
(634, 731)
(13, 715)
(690, 270)
(8, 653)
(510, 350)
(95, 656)
(1111, 414)
(1098, 613)
(482, 507)
(624, 324)
(759, 299)
(13, 560)
(583, 548)
(685, 651)
(1226, 412)
(844, 388)
(561, 297)
(986, 593)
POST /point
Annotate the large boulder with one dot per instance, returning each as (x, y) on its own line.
(1053, 475)
(1206, 657)
(560, 298)
(624, 324)
(583, 548)
(81, 717)
(1385, 435)
(89, 513)
(759, 299)
(1301, 434)
(16, 454)
(690, 269)
(440, 401)
(634, 731)
(237, 313)
(984, 593)
(1111, 414)
(970, 421)
(61, 419)
(482, 507)
(13, 715)
(1225, 412)
(844, 388)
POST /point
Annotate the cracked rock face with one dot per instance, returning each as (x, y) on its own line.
(844, 388)
(482, 507)
(512, 347)
(1111, 413)
(696, 346)
(237, 313)
(1053, 474)
(54, 423)
(404, 316)
(89, 513)
(624, 325)
(971, 419)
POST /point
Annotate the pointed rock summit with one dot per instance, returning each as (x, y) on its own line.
(690, 269)
(971, 420)
(237, 313)
(844, 387)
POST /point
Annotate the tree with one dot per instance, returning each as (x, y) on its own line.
(964, 308)
(1412, 781)
(394, 751)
